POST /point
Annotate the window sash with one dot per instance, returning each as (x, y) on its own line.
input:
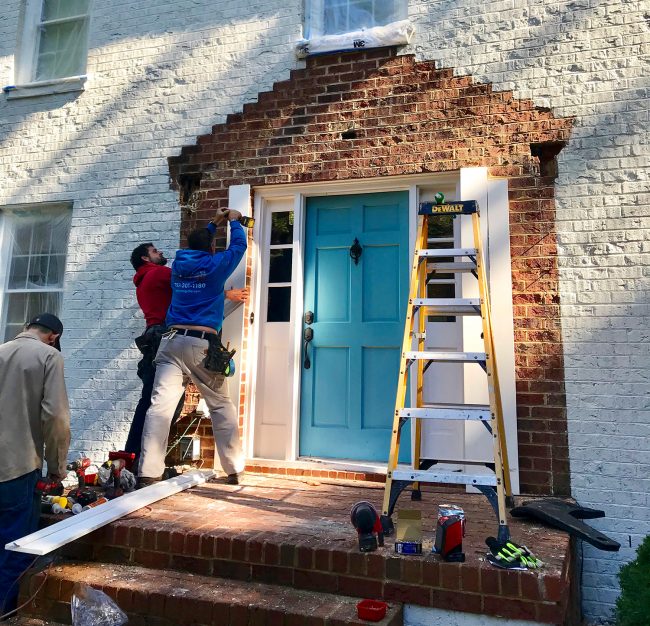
(61, 48)
(39, 21)
(29, 236)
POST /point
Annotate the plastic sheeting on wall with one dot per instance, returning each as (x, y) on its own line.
(394, 34)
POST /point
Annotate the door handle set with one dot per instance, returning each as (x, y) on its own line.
(307, 335)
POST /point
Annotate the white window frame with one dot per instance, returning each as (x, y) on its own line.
(6, 255)
(26, 58)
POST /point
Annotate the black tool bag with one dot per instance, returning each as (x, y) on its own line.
(218, 356)
(148, 344)
(149, 341)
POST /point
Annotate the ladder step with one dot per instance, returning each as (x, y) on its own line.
(452, 310)
(447, 252)
(448, 412)
(439, 303)
(460, 266)
(446, 357)
(449, 306)
(441, 476)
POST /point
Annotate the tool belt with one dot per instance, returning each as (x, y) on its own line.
(218, 358)
(149, 341)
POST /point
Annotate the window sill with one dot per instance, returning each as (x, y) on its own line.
(45, 87)
(394, 34)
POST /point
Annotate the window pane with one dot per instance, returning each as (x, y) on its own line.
(33, 272)
(41, 237)
(18, 272)
(344, 16)
(57, 9)
(22, 236)
(279, 304)
(61, 50)
(21, 307)
(281, 227)
(39, 231)
(440, 245)
(441, 226)
(280, 266)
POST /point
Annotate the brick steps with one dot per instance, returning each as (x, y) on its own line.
(153, 597)
(297, 534)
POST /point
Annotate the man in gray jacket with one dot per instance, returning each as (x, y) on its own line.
(34, 414)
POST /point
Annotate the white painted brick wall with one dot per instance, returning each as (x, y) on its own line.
(162, 73)
(588, 59)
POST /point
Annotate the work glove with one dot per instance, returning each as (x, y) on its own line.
(510, 555)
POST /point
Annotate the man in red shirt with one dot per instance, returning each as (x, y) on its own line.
(153, 291)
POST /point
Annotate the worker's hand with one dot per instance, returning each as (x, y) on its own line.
(55, 477)
(220, 217)
(233, 215)
(238, 295)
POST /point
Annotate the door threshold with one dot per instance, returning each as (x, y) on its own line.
(342, 469)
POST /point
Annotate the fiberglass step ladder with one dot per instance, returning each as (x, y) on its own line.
(495, 485)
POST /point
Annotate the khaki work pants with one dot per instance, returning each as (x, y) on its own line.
(180, 355)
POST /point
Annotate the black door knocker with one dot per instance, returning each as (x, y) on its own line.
(355, 251)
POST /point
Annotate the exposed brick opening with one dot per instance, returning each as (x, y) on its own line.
(188, 185)
(546, 153)
(408, 118)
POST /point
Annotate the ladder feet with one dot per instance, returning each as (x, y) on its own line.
(503, 534)
(416, 495)
(387, 525)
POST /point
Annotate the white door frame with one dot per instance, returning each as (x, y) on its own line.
(296, 196)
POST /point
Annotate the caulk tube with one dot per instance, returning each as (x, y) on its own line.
(97, 502)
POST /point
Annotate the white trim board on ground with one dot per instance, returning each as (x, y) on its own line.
(57, 535)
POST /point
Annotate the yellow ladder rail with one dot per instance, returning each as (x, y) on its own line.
(496, 487)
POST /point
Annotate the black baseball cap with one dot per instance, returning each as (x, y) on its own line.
(47, 320)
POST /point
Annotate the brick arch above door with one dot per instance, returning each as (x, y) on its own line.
(374, 114)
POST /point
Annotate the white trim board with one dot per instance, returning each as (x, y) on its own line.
(57, 535)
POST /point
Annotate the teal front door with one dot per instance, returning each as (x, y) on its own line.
(355, 310)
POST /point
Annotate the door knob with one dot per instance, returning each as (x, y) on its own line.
(308, 335)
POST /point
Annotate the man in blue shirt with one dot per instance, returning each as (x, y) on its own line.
(195, 317)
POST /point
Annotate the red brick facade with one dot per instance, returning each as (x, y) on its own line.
(402, 117)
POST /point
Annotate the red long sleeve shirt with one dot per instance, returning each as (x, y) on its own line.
(153, 289)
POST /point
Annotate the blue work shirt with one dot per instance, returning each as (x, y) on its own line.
(198, 280)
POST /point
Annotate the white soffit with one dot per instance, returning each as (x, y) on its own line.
(57, 535)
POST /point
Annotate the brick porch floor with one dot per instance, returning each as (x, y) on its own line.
(295, 532)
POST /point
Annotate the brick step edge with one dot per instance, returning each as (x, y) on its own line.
(262, 557)
(170, 598)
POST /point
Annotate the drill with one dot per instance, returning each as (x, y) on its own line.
(79, 467)
(47, 487)
(116, 490)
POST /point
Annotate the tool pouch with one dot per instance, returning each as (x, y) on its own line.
(218, 357)
(148, 344)
(149, 341)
